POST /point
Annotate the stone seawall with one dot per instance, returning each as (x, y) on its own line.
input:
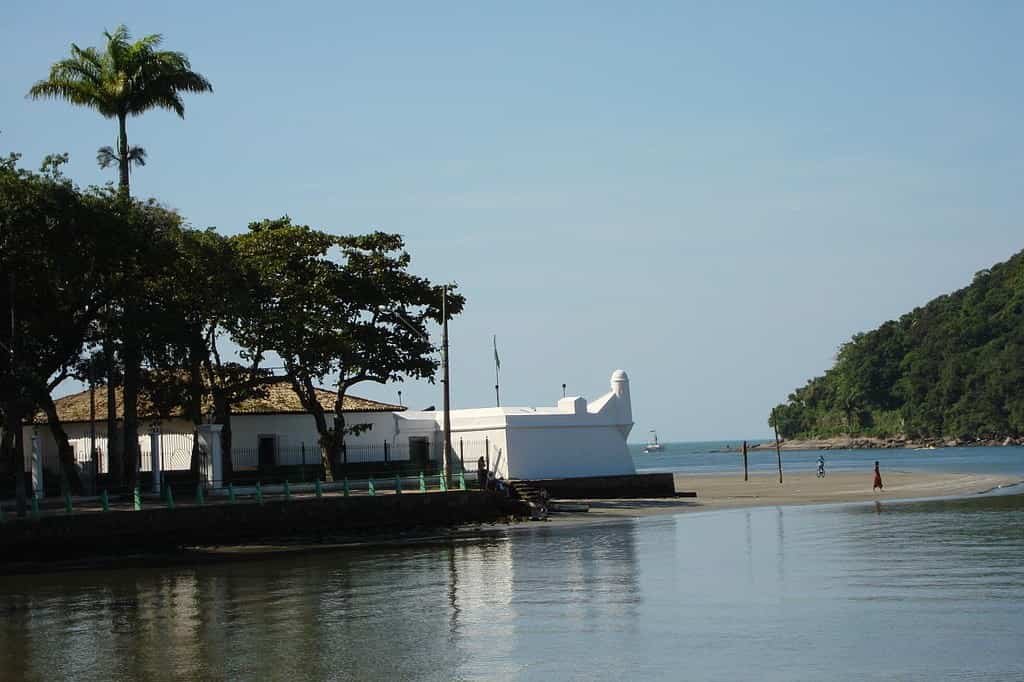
(160, 528)
(609, 487)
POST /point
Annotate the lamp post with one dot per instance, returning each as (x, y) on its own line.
(447, 421)
(447, 386)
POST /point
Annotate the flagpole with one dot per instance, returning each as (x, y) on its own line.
(497, 366)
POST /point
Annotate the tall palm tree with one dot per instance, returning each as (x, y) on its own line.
(126, 79)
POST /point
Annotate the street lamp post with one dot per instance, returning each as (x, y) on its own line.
(445, 468)
(447, 420)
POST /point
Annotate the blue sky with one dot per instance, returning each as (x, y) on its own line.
(710, 196)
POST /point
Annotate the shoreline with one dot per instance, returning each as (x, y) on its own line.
(719, 492)
(715, 492)
(877, 443)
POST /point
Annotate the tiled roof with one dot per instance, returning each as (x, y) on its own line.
(277, 398)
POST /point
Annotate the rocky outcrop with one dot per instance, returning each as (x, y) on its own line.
(873, 443)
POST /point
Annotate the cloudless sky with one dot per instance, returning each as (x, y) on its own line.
(711, 196)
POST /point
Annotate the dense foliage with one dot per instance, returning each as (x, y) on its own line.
(98, 285)
(953, 368)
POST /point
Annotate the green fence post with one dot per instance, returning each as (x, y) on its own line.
(443, 482)
(35, 507)
(287, 491)
(137, 499)
(259, 493)
(105, 500)
(423, 483)
(462, 481)
(346, 486)
(370, 489)
(67, 502)
(200, 498)
(231, 493)
(170, 498)
(319, 489)
(398, 485)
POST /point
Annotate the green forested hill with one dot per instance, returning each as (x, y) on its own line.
(953, 368)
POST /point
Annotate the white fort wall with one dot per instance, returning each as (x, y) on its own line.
(571, 439)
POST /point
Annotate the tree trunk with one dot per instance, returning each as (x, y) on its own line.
(17, 458)
(226, 463)
(122, 154)
(6, 447)
(195, 406)
(338, 435)
(132, 369)
(115, 465)
(222, 414)
(304, 388)
(65, 452)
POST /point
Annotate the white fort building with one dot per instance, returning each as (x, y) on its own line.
(574, 438)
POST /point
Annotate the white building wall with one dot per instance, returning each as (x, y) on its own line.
(572, 439)
(176, 437)
(560, 452)
(292, 432)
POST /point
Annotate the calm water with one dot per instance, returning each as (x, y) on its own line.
(901, 591)
(703, 458)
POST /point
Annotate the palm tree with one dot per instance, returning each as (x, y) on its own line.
(106, 156)
(126, 79)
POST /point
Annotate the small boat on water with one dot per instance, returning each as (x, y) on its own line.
(653, 445)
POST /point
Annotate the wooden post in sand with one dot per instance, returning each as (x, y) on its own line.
(745, 461)
(778, 447)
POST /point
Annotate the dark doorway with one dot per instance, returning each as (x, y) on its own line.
(419, 452)
(267, 453)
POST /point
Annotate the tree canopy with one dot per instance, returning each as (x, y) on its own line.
(344, 307)
(61, 252)
(952, 368)
(91, 270)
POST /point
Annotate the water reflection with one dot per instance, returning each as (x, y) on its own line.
(749, 545)
(789, 593)
(780, 535)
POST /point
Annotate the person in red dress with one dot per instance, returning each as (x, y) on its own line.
(878, 479)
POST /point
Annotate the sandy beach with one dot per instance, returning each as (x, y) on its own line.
(731, 491)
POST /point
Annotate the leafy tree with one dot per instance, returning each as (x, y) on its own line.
(58, 247)
(196, 299)
(344, 308)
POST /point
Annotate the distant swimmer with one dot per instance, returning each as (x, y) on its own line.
(878, 479)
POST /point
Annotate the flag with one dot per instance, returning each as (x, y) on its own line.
(497, 361)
